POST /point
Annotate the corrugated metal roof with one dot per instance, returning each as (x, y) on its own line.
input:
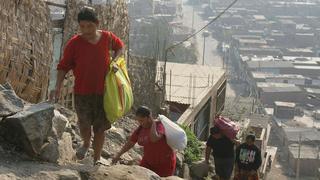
(313, 90)
(286, 104)
(183, 77)
(269, 64)
(259, 120)
(308, 67)
(281, 89)
(258, 74)
(306, 152)
(278, 87)
(307, 134)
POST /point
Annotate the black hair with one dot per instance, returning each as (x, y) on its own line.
(143, 111)
(251, 136)
(214, 130)
(87, 14)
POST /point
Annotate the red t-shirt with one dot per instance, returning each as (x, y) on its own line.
(158, 156)
(89, 62)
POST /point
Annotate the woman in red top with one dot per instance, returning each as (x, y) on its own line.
(158, 155)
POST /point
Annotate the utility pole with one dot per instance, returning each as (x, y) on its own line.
(204, 49)
(170, 85)
(164, 75)
(194, 90)
(223, 57)
(205, 35)
(190, 88)
(157, 53)
(252, 107)
(298, 162)
(192, 16)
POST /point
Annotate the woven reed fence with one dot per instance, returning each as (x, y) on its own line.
(25, 47)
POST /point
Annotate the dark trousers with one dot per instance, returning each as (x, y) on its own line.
(224, 167)
(246, 175)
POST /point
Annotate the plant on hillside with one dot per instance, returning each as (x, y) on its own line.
(192, 152)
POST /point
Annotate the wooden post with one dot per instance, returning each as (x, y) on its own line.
(298, 162)
(252, 108)
(192, 25)
(190, 86)
(212, 79)
(194, 90)
(204, 49)
(164, 75)
(170, 85)
(55, 4)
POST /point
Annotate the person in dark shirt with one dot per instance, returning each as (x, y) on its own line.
(222, 149)
(248, 160)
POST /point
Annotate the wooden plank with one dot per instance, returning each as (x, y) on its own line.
(55, 4)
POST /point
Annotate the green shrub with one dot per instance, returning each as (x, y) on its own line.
(192, 152)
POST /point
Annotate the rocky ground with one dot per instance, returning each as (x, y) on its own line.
(38, 141)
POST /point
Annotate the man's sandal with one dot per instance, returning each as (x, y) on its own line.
(102, 162)
(81, 152)
(98, 163)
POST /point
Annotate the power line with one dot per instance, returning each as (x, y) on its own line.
(186, 39)
(213, 20)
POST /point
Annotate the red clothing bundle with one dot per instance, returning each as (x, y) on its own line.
(89, 62)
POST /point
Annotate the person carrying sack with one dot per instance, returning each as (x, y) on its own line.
(158, 156)
(87, 55)
(222, 149)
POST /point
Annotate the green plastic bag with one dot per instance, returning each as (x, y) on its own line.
(118, 96)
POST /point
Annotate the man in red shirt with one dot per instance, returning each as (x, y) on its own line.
(157, 154)
(88, 55)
